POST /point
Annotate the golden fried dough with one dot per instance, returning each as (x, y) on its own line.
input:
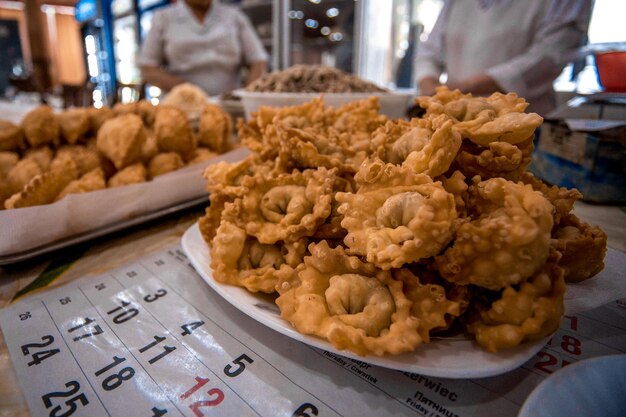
(164, 163)
(75, 124)
(11, 136)
(41, 127)
(132, 174)
(43, 188)
(91, 181)
(173, 132)
(215, 128)
(121, 139)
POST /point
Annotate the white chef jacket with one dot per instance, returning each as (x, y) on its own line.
(209, 54)
(522, 44)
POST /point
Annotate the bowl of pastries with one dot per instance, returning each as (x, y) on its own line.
(69, 172)
(301, 83)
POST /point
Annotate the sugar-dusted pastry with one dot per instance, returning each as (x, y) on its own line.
(91, 181)
(121, 139)
(41, 127)
(11, 136)
(164, 163)
(132, 174)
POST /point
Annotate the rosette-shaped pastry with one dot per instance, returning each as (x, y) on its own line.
(348, 302)
(239, 259)
(526, 312)
(562, 198)
(286, 207)
(224, 186)
(497, 159)
(431, 305)
(260, 135)
(497, 118)
(582, 248)
(308, 149)
(508, 241)
(424, 145)
(396, 216)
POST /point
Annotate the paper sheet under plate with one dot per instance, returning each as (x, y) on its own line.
(27, 228)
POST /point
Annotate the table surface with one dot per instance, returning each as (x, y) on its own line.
(123, 247)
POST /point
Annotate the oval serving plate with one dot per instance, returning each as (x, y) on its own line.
(445, 358)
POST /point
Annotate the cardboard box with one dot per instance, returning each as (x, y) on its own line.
(583, 145)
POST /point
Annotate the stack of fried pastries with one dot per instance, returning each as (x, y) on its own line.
(50, 155)
(378, 234)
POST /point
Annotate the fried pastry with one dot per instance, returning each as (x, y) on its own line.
(91, 181)
(164, 163)
(41, 127)
(508, 241)
(286, 207)
(132, 174)
(215, 128)
(75, 124)
(529, 311)
(242, 260)
(11, 136)
(396, 216)
(173, 133)
(348, 302)
(121, 139)
(43, 188)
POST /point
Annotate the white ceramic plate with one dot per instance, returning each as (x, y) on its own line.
(592, 387)
(446, 358)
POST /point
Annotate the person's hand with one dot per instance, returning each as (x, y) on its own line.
(427, 85)
(478, 84)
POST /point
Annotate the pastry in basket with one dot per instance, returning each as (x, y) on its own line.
(91, 181)
(43, 188)
(11, 136)
(215, 128)
(41, 127)
(75, 124)
(121, 138)
(132, 174)
(163, 163)
(173, 132)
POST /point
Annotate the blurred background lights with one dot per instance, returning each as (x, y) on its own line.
(315, 1)
(295, 14)
(336, 37)
(332, 12)
(325, 30)
(311, 23)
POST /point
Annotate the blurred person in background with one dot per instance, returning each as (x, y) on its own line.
(486, 46)
(202, 42)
